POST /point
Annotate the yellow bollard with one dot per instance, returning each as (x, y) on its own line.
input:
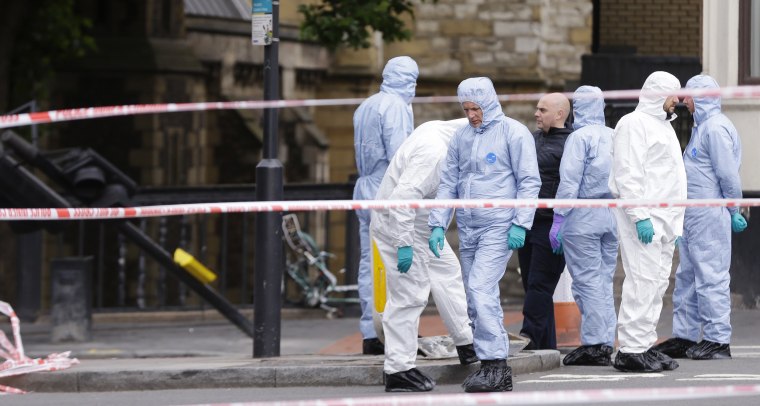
(193, 266)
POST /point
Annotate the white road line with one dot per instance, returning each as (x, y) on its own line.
(723, 377)
(563, 378)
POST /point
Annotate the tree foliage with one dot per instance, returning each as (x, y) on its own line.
(50, 32)
(350, 22)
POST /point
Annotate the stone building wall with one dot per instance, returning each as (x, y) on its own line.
(651, 27)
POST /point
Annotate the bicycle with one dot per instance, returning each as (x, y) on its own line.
(307, 267)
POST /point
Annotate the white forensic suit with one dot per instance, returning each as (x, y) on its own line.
(381, 124)
(414, 173)
(646, 164)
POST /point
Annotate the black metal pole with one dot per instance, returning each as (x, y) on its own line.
(268, 261)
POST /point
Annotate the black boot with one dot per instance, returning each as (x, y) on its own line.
(412, 380)
(591, 355)
(637, 362)
(467, 354)
(493, 376)
(674, 347)
(372, 346)
(668, 364)
(709, 350)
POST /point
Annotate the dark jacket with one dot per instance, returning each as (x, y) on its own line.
(549, 148)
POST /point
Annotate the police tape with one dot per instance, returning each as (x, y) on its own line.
(53, 116)
(559, 397)
(95, 213)
(16, 361)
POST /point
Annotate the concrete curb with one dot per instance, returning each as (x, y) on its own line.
(229, 372)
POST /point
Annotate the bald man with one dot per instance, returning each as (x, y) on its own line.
(539, 267)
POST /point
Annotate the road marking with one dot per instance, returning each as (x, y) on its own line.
(723, 377)
(563, 378)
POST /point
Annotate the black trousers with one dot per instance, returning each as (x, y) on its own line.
(540, 270)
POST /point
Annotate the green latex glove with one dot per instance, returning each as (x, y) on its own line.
(678, 240)
(645, 229)
(436, 241)
(560, 250)
(738, 222)
(405, 255)
(515, 237)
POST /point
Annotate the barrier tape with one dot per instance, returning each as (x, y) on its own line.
(86, 213)
(52, 116)
(560, 397)
(17, 363)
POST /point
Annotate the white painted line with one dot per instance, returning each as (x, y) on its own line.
(564, 378)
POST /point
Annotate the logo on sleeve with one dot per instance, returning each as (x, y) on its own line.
(491, 158)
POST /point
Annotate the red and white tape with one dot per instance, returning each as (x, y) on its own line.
(17, 363)
(319, 205)
(52, 116)
(561, 397)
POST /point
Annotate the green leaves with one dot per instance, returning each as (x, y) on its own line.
(333, 23)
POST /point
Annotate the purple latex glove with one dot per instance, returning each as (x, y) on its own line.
(556, 226)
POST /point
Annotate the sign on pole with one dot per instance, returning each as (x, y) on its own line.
(261, 22)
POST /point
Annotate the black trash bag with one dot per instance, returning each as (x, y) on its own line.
(674, 347)
(590, 355)
(709, 350)
(637, 362)
(493, 376)
(412, 380)
(467, 354)
(668, 364)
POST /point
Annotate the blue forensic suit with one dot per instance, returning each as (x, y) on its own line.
(381, 124)
(701, 299)
(589, 236)
(497, 160)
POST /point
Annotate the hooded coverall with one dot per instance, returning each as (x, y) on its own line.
(589, 236)
(496, 160)
(646, 164)
(414, 173)
(381, 124)
(701, 299)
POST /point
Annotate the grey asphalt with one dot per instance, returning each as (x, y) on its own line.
(198, 349)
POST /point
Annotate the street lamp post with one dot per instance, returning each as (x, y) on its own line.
(268, 262)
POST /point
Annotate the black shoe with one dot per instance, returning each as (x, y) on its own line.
(467, 354)
(709, 350)
(372, 346)
(591, 355)
(668, 364)
(412, 380)
(493, 376)
(637, 362)
(531, 345)
(674, 347)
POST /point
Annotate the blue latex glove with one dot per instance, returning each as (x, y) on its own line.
(436, 241)
(404, 258)
(738, 222)
(554, 239)
(645, 230)
(515, 237)
(560, 250)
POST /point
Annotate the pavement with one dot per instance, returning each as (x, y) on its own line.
(199, 349)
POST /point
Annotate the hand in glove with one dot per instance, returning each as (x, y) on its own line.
(436, 241)
(555, 238)
(738, 222)
(405, 255)
(515, 237)
(645, 230)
